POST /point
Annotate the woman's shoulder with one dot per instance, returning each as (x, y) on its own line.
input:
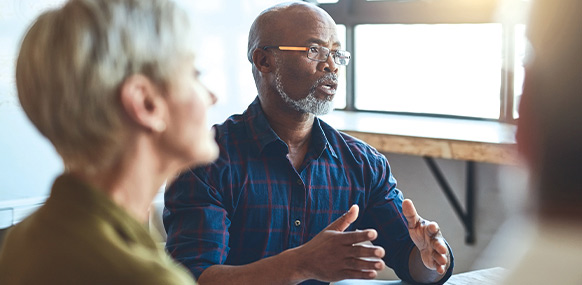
(82, 249)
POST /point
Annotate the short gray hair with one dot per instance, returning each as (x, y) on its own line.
(74, 59)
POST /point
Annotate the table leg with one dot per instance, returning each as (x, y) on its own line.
(467, 217)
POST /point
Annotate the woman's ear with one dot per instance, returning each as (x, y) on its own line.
(143, 103)
(262, 60)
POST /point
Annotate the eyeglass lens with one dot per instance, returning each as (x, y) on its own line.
(340, 57)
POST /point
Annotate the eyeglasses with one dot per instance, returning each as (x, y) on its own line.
(320, 54)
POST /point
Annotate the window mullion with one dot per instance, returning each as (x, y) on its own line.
(350, 74)
(507, 76)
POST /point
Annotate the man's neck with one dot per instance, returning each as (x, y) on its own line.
(293, 127)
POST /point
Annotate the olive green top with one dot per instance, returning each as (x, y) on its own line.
(80, 236)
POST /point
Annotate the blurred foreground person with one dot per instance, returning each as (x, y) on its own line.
(549, 138)
(112, 84)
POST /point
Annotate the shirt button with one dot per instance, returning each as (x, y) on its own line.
(299, 182)
(297, 223)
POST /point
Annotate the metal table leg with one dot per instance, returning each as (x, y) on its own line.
(467, 217)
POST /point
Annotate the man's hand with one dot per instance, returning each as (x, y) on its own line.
(333, 255)
(428, 239)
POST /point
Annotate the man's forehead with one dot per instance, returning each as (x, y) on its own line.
(309, 29)
(331, 39)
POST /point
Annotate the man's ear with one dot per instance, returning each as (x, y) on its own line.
(143, 103)
(262, 60)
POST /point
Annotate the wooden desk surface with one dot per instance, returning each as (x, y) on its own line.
(480, 141)
(490, 276)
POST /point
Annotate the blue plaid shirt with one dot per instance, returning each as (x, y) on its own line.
(251, 203)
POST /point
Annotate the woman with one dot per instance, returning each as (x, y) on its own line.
(112, 85)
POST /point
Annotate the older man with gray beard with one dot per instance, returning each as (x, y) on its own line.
(309, 104)
(281, 203)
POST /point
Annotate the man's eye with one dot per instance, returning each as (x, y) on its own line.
(313, 49)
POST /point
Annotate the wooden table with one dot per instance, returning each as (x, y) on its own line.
(467, 140)
(491, 276)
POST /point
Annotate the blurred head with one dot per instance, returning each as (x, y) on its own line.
(76, 62)
(303, 84)
(550, 125)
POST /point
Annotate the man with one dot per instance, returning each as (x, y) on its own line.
(549, 138)
(269, 210)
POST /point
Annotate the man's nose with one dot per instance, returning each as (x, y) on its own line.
(330, 65)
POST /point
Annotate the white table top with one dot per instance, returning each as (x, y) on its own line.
(490, 276)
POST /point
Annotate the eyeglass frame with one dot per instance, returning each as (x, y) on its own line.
(333, 53)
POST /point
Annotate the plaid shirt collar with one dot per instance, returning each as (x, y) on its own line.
(258, 126)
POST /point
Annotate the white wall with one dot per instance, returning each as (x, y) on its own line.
(28, 162)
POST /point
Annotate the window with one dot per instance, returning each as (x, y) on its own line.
(340, 97)
(445, 69)
(451, 58)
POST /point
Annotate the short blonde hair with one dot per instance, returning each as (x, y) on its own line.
(73, 61)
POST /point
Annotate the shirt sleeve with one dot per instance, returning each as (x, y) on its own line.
(384, 213)
(196, 219)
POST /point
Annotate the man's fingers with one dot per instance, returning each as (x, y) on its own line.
(343, 222)
(365, 264)
(433, 229)
(440, 259)
(439, 246)
(368, 251)
(358, 274)
(410, 213)
(441, 269)
(355, 237)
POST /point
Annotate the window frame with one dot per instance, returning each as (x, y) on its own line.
(351, 13)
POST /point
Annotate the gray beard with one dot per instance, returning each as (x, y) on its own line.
(309, 104)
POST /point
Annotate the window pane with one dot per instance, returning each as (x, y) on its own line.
(340, 97)
(518, 70)
(448, 69)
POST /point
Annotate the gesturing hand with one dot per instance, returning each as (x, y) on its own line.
(333, 255)
(428, 239)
